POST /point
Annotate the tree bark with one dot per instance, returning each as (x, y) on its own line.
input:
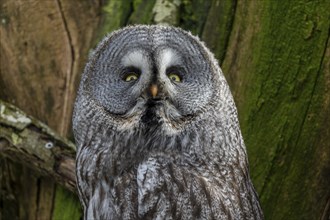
(28, 141)
(274, 54)
(277, 63)
(43, 49)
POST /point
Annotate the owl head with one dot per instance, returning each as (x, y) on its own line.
(151, 76)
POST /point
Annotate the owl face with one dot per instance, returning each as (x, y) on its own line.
(155, 74)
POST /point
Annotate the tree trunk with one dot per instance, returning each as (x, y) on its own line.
(43, 49)
(275, 56)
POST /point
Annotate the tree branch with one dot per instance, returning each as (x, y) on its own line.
(29, 141)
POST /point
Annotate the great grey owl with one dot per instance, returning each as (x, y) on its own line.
(157, 132)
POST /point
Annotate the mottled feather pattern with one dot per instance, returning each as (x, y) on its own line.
(181, 159)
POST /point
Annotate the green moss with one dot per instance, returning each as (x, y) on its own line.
(67, 206)
(280, 89)
(15, 139)
(142, 12)
(166, 12)
(193, 15)
(218, 26)
(115, 14)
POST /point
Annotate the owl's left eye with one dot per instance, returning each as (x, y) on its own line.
(174, 73)
(131, 77)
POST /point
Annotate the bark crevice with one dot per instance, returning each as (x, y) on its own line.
(69, 73)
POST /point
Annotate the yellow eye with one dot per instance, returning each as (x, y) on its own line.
(174, 77)
(131, 77)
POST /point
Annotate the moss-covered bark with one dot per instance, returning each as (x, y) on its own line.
(115, 14)
(43, 48)
(281, 79)
(218, 26)
(142, 12)
(29, 141)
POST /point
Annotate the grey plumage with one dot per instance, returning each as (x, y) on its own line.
(175, 155)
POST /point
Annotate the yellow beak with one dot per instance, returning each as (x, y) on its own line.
(153, 90)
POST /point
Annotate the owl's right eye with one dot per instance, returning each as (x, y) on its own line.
(174, 77)
(131, 76)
